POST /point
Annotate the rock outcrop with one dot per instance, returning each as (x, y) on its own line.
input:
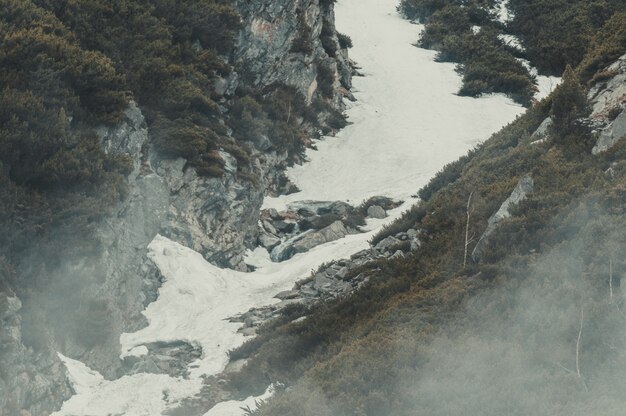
(97, 289)
(608, 101)
(308, 224)
(266, 45)
(524, 187)
(33, 380)
(541, 133)
(306, 241)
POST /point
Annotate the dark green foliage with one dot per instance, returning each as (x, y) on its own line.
(569, 106)
(345, 42)
(327, 37)
(558, 33)
(274, 113)
(325, 79)
(553, 33)
(449, 174)
(421, 9)
(486, 65)
(607, 45)
(171, 67)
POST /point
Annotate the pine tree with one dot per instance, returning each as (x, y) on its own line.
(569, 108)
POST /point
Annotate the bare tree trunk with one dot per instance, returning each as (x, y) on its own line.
(611, 280)
(467, 223)
(580, 333)
(289, 112)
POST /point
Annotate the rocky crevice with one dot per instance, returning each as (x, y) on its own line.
(105, 291)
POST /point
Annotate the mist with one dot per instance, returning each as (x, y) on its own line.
(522, 348)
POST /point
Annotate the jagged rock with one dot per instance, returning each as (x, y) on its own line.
(384, 245)
(607, 95)
(268, 241)
(610, 135)
(309, 291)
(29, 379)
(287, 294)
(608, 99)
(169, 358)
(283, 226)
(376, 211)
(307, 240)
(273, 213)
(542, 131)
(342, 273)
(269, 227)
(312, 208)
(262, 142)
(230, 163)
(128, 136)
(226, 86)
(264, 46)
(524, 186)
(382, 201)
(333, 232)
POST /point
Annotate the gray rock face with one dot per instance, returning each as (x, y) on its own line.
(128, 136)
(105, 290)
(306, 241)
(611, 134)
(610, 93)
(268, 241)
(31, 382)
(608, 100)
(542, 131)
(524, 187)
(169, 358)
(386, 244)
(264, 47)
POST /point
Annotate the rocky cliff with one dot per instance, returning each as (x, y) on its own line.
(98, 285)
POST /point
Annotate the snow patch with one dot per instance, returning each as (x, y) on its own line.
(234, 407)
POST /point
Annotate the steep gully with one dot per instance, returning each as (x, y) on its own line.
(407, 123)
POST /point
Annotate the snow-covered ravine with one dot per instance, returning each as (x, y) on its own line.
(406, 124)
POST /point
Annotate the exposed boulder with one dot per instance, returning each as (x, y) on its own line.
(611, 134)
(608, 101)
(311, 208)
(542, 131)
(376, 211)
(268, 241)
(524, 187)
(386, 244)
(382, 201)
(306, 241)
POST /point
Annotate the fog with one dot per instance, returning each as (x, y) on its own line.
(520, 348)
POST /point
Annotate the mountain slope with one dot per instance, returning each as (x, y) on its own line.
(533, 321)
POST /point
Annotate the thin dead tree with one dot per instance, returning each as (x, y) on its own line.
(611, 280)
(468, 239)
(580, 333)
